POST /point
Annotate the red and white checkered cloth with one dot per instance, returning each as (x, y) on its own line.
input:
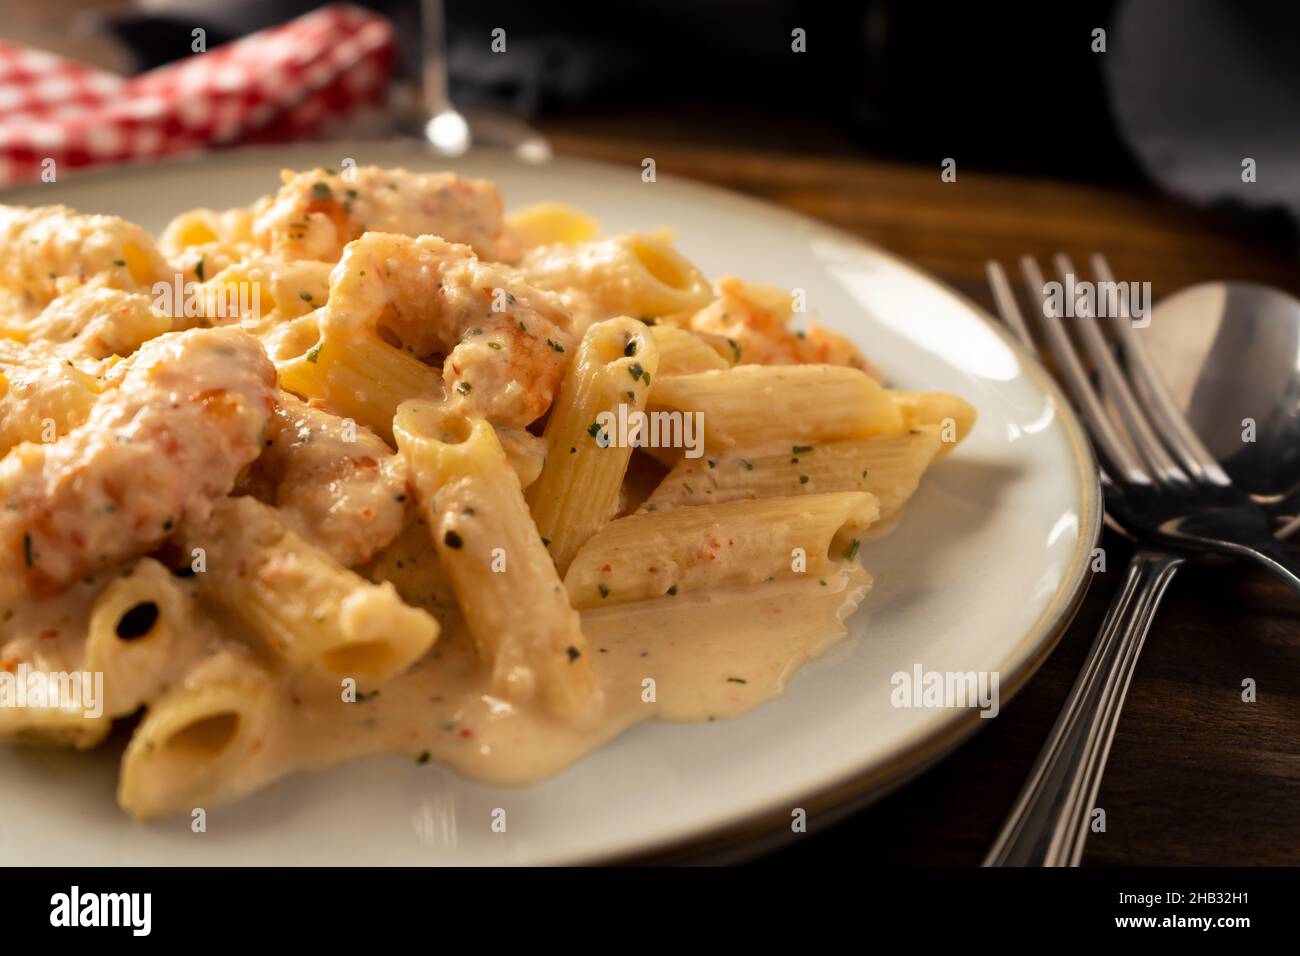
(288, 82)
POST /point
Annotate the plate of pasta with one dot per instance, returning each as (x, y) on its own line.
(364, 507)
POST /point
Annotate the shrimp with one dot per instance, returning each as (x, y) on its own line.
(335, 483)
(506, 344)
(316, 213)
(176, 424)
(46, 250)
(753, 320)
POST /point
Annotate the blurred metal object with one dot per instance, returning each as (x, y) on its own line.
(446, 130)
(1222, 347)
(451, 132)
(1168, 492)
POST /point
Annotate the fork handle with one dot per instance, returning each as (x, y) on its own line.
(1050, 821)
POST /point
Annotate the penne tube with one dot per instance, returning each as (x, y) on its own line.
(298, 602)
(954, 417)
(577, 491)
(509, 592)
(682, 352)
(138, 636)
(887, 466)
(194, 738)
(360, 377)
(659, 553)
(811, 403)
(635, 274)
(549, 223)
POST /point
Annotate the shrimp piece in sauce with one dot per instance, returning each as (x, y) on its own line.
(178, 422)
(335, 483)
(506, 344)
(316, 213)
(753, 319)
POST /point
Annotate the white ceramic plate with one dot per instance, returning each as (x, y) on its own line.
(983, 574)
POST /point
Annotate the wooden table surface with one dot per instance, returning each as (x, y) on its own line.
(1196, 776)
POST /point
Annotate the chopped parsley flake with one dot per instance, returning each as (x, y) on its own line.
(853, 550)
(321, 191)
(452, 540)
(603, 588)
(313, 353)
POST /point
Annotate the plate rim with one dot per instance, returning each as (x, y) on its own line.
(856, 789)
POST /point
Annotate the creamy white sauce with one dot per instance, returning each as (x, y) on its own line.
(711, 656)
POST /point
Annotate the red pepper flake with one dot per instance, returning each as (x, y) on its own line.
(50, 634)
(465, 732)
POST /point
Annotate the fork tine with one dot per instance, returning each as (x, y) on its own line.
(1125, 464)
(1144, 438)
(1005, 300)
(1166, 417)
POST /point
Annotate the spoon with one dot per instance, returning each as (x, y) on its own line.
(1229, 356)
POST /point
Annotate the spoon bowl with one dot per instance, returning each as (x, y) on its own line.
(1229, 355)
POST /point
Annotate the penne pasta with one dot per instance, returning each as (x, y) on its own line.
(634, 274)
(577, 491)
(505, 581)
(661, 553)
(300, 604)
(359, 377)
(812, 403)
(683, 353)
(366, 466)
(550, 223)
(139, 636)
(194, 737)
(887, 466)
(951, 415)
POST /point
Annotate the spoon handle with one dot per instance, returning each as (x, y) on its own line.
(1050, 821)
(1279, 557)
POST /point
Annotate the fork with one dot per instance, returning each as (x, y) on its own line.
(1164, 490)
